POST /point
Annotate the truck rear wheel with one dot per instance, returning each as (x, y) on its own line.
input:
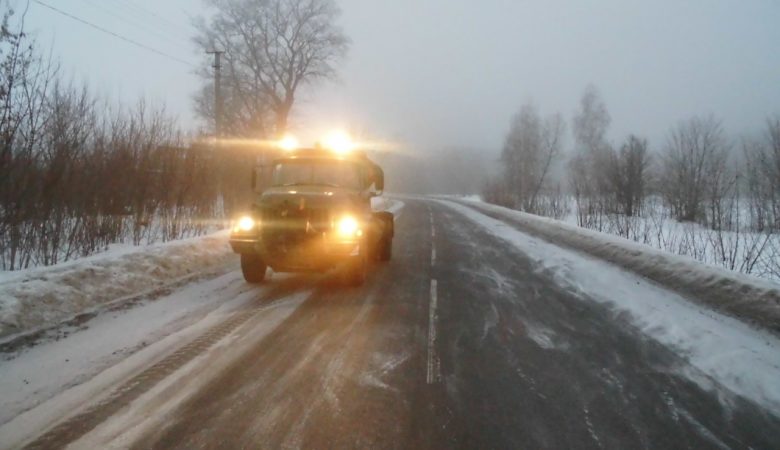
(253, 267)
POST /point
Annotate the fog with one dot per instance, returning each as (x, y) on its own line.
(439, 75)
(444, 72)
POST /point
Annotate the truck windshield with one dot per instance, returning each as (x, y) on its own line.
(317, 172)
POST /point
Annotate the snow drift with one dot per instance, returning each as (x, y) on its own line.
(35, 298)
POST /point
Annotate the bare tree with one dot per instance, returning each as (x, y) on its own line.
(591, 161)
(694, 168)
(25, 79)
(763, 177)
(553, 131)
(531, 148)
(591, 122)
(272, 48)
(521, 155)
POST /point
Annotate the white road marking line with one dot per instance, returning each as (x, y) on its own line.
(433, 374)
(433, 244)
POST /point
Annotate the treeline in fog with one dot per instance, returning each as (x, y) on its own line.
(700, 193)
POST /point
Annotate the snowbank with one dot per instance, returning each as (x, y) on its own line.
(43, 296)
(748, 298)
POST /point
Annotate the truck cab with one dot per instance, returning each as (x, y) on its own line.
(315, 215)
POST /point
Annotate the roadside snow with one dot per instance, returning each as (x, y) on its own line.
(43, 296)
(744, 360)
(746, 297)
(39, 373)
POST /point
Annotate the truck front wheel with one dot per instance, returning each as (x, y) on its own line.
(385, 248)
(355, 271)
(253, 267)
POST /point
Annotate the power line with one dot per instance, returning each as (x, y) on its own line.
(118, 36)
(143, 27)
(144, 11)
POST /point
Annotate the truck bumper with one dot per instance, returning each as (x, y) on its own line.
(314, 256)
(245, 245)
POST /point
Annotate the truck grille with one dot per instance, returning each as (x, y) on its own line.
(288, 227)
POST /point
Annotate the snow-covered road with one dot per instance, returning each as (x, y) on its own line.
(475, 335)
(744, 359)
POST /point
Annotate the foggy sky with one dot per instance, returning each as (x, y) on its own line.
(438, 73)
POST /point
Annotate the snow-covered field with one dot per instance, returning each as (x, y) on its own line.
(743, 359)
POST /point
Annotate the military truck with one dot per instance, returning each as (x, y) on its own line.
(315, 215)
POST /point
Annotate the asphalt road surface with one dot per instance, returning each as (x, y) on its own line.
(458, 342)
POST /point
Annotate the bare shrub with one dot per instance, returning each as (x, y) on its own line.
(628, 173)
(77, 175)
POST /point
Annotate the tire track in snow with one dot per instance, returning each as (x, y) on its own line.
(77, 426)
(330, 381)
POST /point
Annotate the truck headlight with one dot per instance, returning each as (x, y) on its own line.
(348, 227)
(245, 223)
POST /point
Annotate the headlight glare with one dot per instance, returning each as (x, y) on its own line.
(339, 142)
(245, 223)
(288, 143)
(348, 227)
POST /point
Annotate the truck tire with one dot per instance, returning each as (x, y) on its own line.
(385, 249)
(253, 267)
(354, 273)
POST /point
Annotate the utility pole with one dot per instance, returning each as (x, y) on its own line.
(217, 91)
(218, 123)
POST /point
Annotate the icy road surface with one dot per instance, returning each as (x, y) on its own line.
(475, 335)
